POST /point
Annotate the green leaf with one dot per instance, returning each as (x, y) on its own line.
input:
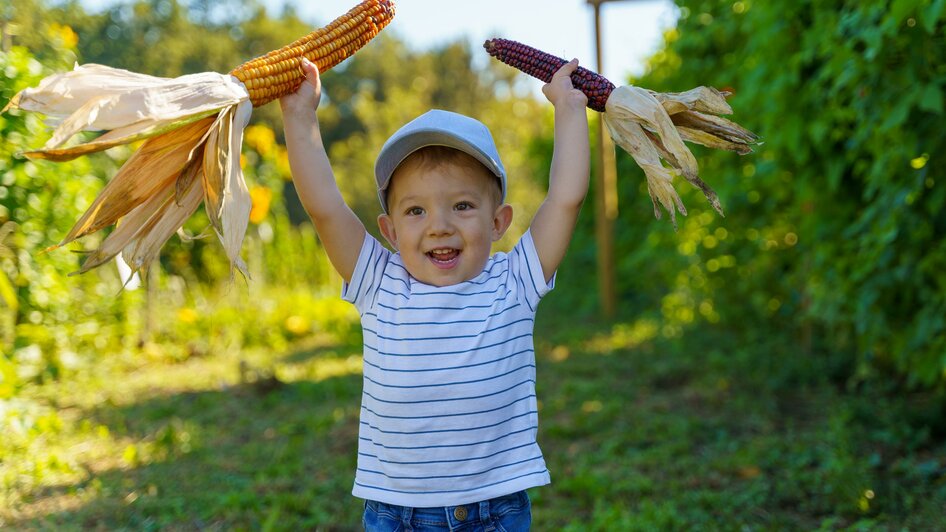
(8, 378)
(898, 114)
(835, 170)
(931, 99)
(900, 9)
(933, 13)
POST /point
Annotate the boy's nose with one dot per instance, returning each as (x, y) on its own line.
(439, 223)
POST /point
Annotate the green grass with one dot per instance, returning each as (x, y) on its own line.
(640, 433)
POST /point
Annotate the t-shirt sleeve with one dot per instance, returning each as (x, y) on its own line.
(362, 290)
(526, 271)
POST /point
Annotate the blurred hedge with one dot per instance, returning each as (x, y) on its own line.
(834, 231)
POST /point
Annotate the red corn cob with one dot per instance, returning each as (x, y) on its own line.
(650, 126)
(542, 65)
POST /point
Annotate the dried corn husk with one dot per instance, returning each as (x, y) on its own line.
(150, 169)
(631, 136)
(144, 248)
(177, 118)
(192, 128)
(235, 204)
(145, 215)
(703, 99)
(128, 228)
(631, 109)
(128, 105)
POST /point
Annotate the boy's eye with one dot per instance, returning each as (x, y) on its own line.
(414, 211)
(463, 205)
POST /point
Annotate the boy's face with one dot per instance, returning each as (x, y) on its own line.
(443, 220)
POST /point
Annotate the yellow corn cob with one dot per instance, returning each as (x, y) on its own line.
(278, 73)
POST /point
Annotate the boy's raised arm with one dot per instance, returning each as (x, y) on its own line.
(555, 220)
(340, 230)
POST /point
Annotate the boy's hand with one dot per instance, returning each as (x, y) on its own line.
(560, 90)
(307, 97)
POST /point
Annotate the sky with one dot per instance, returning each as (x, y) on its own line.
(631, 29)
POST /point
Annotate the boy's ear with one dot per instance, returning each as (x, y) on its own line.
(501, 220)
(386, 224)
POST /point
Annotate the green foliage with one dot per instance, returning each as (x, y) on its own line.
(834, 229)
(55, 319)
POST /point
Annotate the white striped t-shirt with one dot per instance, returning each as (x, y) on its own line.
(448, 409)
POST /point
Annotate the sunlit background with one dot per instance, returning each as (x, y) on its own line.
(777, 368)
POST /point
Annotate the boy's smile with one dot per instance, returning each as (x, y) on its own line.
(443, 220)
(444, 257)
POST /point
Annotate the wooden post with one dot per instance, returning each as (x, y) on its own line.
(606, 198)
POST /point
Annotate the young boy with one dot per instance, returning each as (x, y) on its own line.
(448, 418)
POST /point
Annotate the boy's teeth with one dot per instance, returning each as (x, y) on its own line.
(443, 254)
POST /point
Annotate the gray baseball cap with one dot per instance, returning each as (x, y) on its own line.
(438, 128)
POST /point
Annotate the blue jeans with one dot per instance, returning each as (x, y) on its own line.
(509, 513)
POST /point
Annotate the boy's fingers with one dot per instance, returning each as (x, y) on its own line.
(311, 71)
(567, 68)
